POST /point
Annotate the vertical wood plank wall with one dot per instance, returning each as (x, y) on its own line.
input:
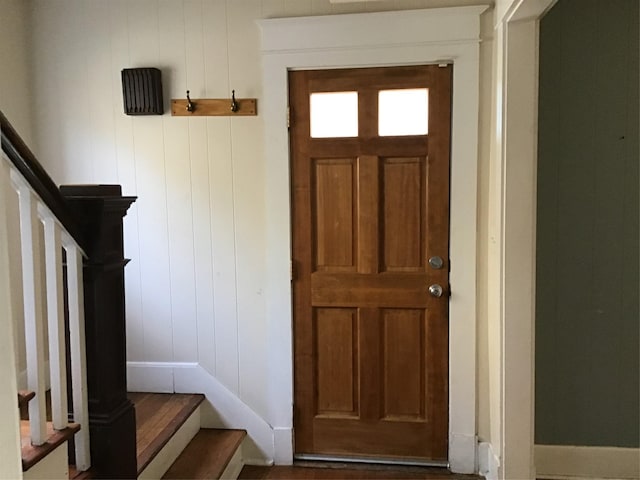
(587, 329)
(196, 284)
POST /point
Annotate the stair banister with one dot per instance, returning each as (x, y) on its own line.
(10, 465)
(41, 207)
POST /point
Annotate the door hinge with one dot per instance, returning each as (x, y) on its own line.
(288, 117)
(291, 273)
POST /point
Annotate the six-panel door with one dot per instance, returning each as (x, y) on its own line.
(370, 202)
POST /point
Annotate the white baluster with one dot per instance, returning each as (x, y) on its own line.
(10, 465)
(33, 310)
(55, 314)
(78, 356)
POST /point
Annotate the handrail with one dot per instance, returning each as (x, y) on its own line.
(34, 173)
(47, 228)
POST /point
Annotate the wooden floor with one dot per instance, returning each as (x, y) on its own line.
(331, 471)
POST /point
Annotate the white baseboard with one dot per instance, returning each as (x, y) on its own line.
(222, 408)
(155, 377)
(559, 461)
(283, 445)
(488, 461)
(462, 453)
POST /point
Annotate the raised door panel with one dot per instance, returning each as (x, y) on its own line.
(403, 372)
(402, 209)
(333, 210)
(336, 361)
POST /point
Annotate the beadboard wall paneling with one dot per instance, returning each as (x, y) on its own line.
(245, 70)
(14, 74)
(197, 234)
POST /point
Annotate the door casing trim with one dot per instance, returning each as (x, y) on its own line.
(364, 40)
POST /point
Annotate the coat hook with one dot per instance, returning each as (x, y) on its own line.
(234, 104)
(190, 105)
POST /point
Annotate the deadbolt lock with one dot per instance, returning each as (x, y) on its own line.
(436, 262)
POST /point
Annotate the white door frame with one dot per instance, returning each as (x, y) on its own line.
(512, 229)
(366, 40)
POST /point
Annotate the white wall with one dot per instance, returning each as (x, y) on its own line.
(196, 285)
(15, 94)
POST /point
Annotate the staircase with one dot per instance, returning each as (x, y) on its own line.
(62, 318)
(44, 456)
(170, 443)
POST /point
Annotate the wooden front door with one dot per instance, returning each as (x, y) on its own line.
(370, 206)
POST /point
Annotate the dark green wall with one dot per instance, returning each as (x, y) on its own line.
(587, 316)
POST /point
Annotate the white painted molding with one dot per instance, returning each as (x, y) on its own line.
(438, 26)
(465, 448)
(363, 40)
(222, 408)
(488, 461)
(283, 446)
(555, 461)
(156, 377)
(512, 251)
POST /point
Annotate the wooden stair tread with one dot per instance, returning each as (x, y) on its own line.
(207, 455)
(158, 418)
(32, 454)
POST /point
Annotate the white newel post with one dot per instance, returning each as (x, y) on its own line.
(78, 352)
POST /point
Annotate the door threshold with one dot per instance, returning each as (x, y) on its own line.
(408, 462)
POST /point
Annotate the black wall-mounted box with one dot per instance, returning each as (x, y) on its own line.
(142, 91)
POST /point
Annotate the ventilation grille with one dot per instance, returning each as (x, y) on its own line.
(142, 91)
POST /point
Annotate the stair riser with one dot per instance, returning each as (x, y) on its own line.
(232, 472)
(55, 466)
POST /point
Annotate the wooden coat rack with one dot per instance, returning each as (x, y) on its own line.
(214, 107)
